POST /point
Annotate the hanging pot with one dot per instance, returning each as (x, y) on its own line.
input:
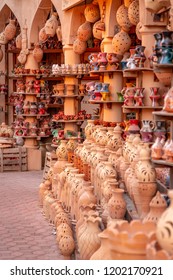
(84, 31)
(121, 42)
(51, 25)
(123, 19)
(10, 30)
(42, 36)
(79, 46)
(92, 13)
(133, 12)
(38, 53)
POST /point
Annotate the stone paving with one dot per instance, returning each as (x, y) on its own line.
(25, 234)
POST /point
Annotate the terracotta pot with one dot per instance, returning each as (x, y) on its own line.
(121, 42)
(10, 30)
(92, 13)
(155, 252)
(66, 245)
(38, 53)
(164, 231)
(133, 12)
(122, 18)
(79, 46)
(51, 25)
(61, 151)
(117, 204)
(97, 30)
(3, 39)
(89, 241)
(84, 32)
(157, 207)
(42, 35)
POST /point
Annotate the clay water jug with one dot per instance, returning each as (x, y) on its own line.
(10, 30)
(38, 53)
(117, 204)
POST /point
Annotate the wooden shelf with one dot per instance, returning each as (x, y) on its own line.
(162, 163)
(139, 69)
(104, 102)
(163, 114)
(168, 65)
(66, 96)
(32, 115)
(52, 51)
(104, 71)
(142, 107)
(54, 105)
(68, 121)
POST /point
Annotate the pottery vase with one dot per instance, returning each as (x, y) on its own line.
(121, 42)
(122, 18)
(164, 230)
(89, 241)
(10, 30)
(102, 60)
(154, 96)
(38, 53)
(146, 130)
(92, 13)
(61, 151)
(79, 46)
(133, 12)
(156, 149)
(84, 31)
(51, 25)
(117, 204)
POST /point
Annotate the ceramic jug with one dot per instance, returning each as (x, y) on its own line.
(147, 130)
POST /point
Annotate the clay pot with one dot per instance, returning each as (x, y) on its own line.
(155, 252)
(129, 240)
(92, 13)
(97, 30)
(117, 204)
(61, 151)
(51, 25)
(79, 46)
(121, 42)
(63, 229)
(38, 53)
(127, 3)
(122, 18)
(19, 41)
(89, 241)
(157, 207)
(66, 245)
(10, 30)
(164, 230)
(156, 149)
(1, 54)
(84, 32)
(42, 35)
(3, 39)
(133, 12)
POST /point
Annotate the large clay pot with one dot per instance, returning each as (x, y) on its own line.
(42, 35)
(92, 13)
(10, 30)
(123, 19)
(79, 46)
(38, 53)
(3, 39)
(164, 231)
(133, 12)
(121, 42)
(84, 32)
(97, 30)
(51, 25)
(117, 204)
(89, 241)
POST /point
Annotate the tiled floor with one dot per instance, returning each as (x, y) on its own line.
(24, 232)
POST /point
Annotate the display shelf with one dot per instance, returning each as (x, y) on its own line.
(67, 121)
(54, 105)
(142, 107)
(66, 96)
(138, 69)
(163, 114)
(162, 163)
(104, 102)
(168, 65)
(102, 72)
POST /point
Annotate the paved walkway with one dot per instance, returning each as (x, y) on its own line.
(24, 232)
